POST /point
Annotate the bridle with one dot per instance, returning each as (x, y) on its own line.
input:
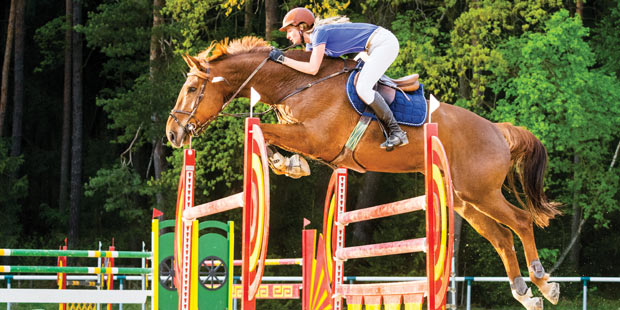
(195, 128)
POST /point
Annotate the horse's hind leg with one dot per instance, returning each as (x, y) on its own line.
(521, 222)
(502, 240)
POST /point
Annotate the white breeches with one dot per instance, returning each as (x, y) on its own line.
(382, 51)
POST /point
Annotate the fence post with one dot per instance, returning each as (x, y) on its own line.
(585, 292)
(469, 279)
(8, 285)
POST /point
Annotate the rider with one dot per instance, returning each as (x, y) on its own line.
(338, 39)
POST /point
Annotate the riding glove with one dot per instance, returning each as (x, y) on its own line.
(276, 55)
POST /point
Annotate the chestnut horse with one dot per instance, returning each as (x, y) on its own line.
(316, 123)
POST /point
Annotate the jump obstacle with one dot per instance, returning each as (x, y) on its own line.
(323, 265)
(438, 243)
(75, 298)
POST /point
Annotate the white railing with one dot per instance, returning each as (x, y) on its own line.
(350, 279)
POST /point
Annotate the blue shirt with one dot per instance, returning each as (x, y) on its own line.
(340, 39)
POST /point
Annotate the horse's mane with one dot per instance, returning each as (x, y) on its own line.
(228, 47)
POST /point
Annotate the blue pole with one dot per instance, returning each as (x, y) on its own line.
(469, 280)
(585, 292)
(8, 285)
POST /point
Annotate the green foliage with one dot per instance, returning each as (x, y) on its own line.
(120, 186)
(574, 110)
(119, 28)
(12, 188)
(476, 35)
(51, 41)
(196, 17)
(605, 40)
(421, 52)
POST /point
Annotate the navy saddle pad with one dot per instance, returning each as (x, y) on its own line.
(409, 108)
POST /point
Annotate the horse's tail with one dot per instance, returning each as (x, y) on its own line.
(529, 162)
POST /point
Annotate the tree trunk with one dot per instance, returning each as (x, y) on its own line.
(6, 65)
(155, 50)
(575, 220)
(271, 18)
(66, 115)
(18, 95)
(155, 60)
(247, 25)
(76, 147)
(579, 8)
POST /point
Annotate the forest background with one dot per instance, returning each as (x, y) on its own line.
(87, 86)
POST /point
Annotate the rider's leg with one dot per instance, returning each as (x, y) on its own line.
(382, 51)
(383, 112)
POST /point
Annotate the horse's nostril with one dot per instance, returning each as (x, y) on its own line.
(171, 136)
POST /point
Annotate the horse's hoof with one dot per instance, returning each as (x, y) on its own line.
(277, 162)
(297, 167)
(551, 291)
(529, 302)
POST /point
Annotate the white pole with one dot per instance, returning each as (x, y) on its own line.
(453, 274)
(144, 276)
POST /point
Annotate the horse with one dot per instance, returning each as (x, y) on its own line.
(317, 121)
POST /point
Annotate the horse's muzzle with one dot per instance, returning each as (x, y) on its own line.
(176, 137)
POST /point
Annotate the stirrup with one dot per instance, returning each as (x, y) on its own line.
(395, 139)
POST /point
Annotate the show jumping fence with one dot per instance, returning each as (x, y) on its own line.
(75, 298)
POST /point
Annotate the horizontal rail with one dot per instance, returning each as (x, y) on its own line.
(90, 270)
(395, 288)
(384, 210)
(19, 295)
(382, 249)
(213, 207)
(74, 253)
(277, 262)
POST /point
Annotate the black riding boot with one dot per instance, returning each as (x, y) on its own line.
(396, 135)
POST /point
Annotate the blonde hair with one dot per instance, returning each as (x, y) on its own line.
(338, 19)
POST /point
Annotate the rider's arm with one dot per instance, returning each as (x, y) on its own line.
(311, 67)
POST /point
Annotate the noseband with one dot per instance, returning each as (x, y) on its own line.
(196, 127)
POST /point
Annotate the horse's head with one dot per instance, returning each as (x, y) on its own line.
(199, 102)
(213, 76)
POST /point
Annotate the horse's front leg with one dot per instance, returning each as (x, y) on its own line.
(284, 136)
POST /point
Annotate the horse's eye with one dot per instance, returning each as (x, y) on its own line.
(191, 89)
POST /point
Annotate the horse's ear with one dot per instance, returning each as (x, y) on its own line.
(187, 60)
(195, 62)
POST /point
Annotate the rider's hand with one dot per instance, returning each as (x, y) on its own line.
(276, 55)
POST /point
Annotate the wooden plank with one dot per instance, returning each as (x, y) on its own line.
(384, 210)
(382, 249)
(394, 288)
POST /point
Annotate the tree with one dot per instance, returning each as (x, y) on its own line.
(65, 154)
(271, 18)
(18, 94)
(575, 111)
(154, 63)
(77, 131)
(6, 65)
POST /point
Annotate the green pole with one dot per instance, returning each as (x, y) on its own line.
(87, 270)
(74, 253)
